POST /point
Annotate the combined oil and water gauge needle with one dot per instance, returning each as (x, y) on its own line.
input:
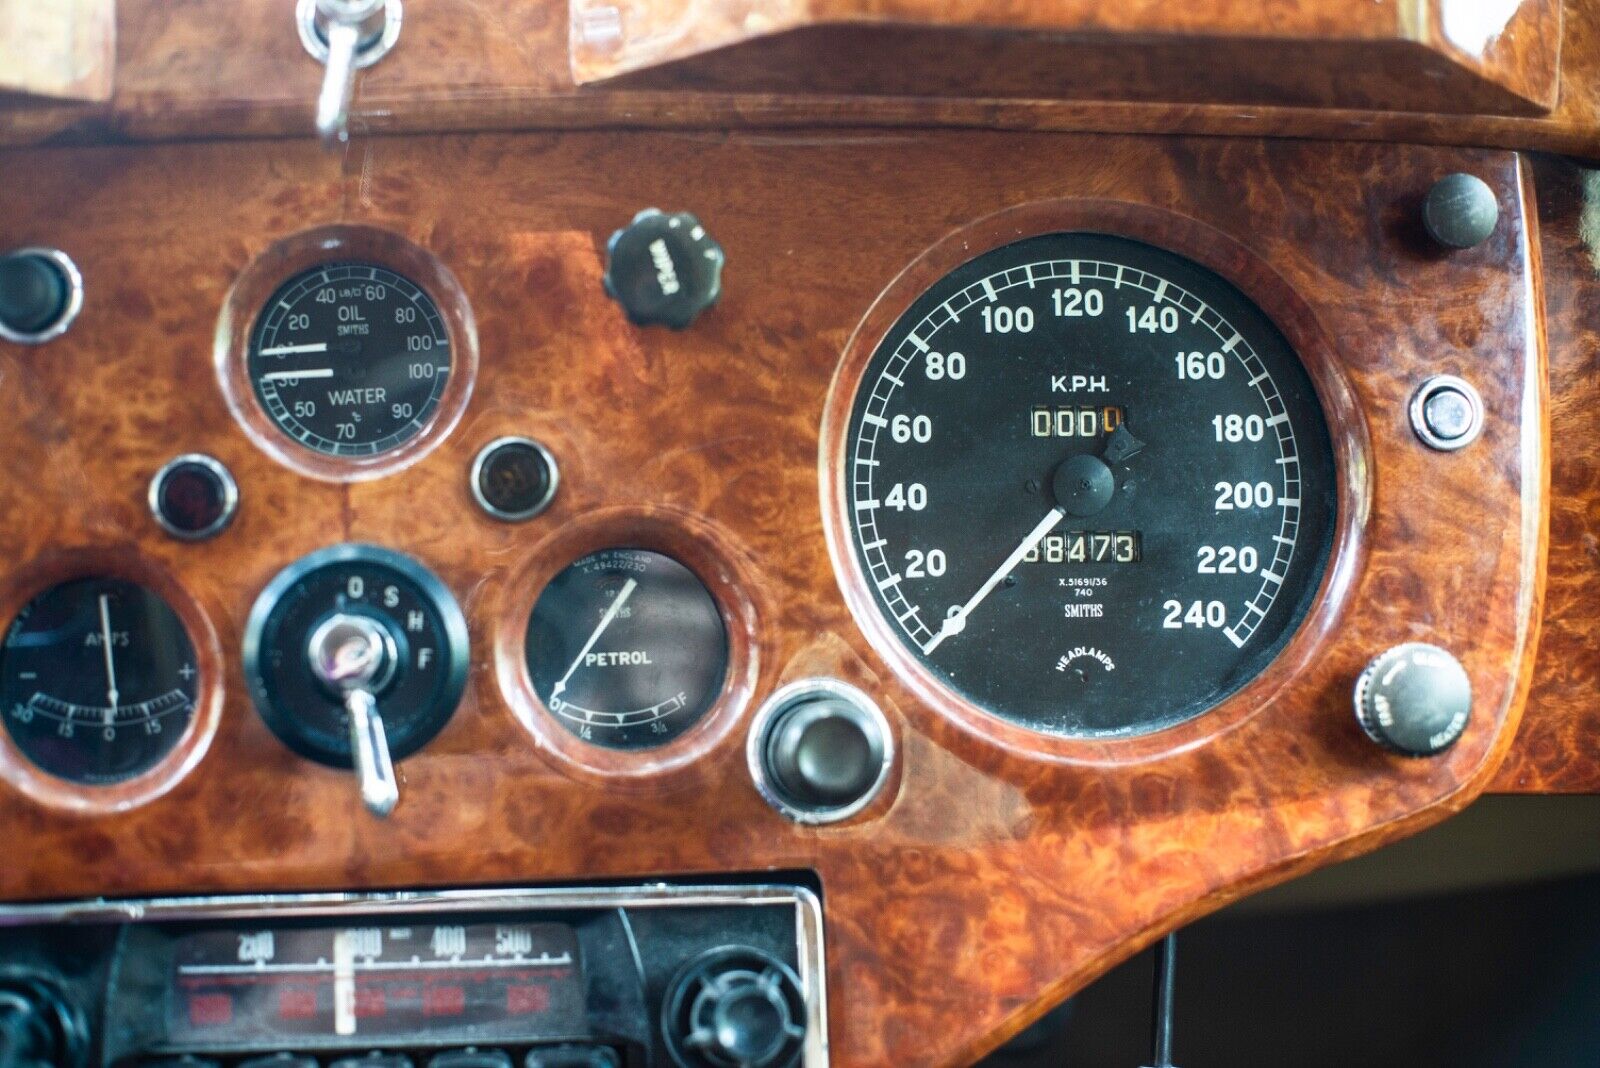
(605, 621)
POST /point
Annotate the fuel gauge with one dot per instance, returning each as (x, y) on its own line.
(97, 680)
(627, 648)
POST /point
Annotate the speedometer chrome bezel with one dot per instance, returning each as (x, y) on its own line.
(1243, 268)
(326, 245)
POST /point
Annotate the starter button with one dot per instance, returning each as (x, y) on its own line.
(1447, 413)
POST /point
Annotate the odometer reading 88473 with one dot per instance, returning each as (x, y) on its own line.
(1089, 484)
(350, 359)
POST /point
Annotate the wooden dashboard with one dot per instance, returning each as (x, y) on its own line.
(995, 874)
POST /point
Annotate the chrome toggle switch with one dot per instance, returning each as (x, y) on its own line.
(346, 35)
(355, 657)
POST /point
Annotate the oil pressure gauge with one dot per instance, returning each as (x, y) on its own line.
(627, 649)
(350, 359)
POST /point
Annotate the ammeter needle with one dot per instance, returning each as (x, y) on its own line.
(111, 667)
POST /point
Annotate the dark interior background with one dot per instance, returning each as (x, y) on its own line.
(1473, 945)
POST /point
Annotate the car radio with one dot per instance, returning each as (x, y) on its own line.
(621, 977)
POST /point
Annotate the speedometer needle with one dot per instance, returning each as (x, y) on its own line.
(111, 666)
(605, 621)
(956, 621)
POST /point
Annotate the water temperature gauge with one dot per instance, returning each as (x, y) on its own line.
(97, 680)
(627, 648)
(357, 656)
(350, 359)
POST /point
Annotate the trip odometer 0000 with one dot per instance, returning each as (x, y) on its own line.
(1089, 485)
(349, 359)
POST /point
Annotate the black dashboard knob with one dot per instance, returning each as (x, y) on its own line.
(472, 1057)
(1460, 211)
(39, 289)
(39, 1025)
(375, 1059)
(820, 750)
(572, 1055)
(664, 269)
(735, 1007)
(1414, 699)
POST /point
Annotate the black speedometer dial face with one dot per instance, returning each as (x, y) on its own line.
(350, 359)
(98, 680)
(1089, 484)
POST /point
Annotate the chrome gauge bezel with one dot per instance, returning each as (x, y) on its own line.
(247, 302)
(177, 763)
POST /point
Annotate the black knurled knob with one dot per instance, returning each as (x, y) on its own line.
(734, 1007)
(1414, 699)
(664, 269)
(38, 1024)
(34, 292)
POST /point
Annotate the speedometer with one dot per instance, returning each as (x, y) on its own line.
(1088, 485)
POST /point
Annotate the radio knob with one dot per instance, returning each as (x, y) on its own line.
(1414, 700)
(735, 1007)
(663, 269)
(39, 1026)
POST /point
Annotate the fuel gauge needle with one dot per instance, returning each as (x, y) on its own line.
(111, 666)
(605, 621)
